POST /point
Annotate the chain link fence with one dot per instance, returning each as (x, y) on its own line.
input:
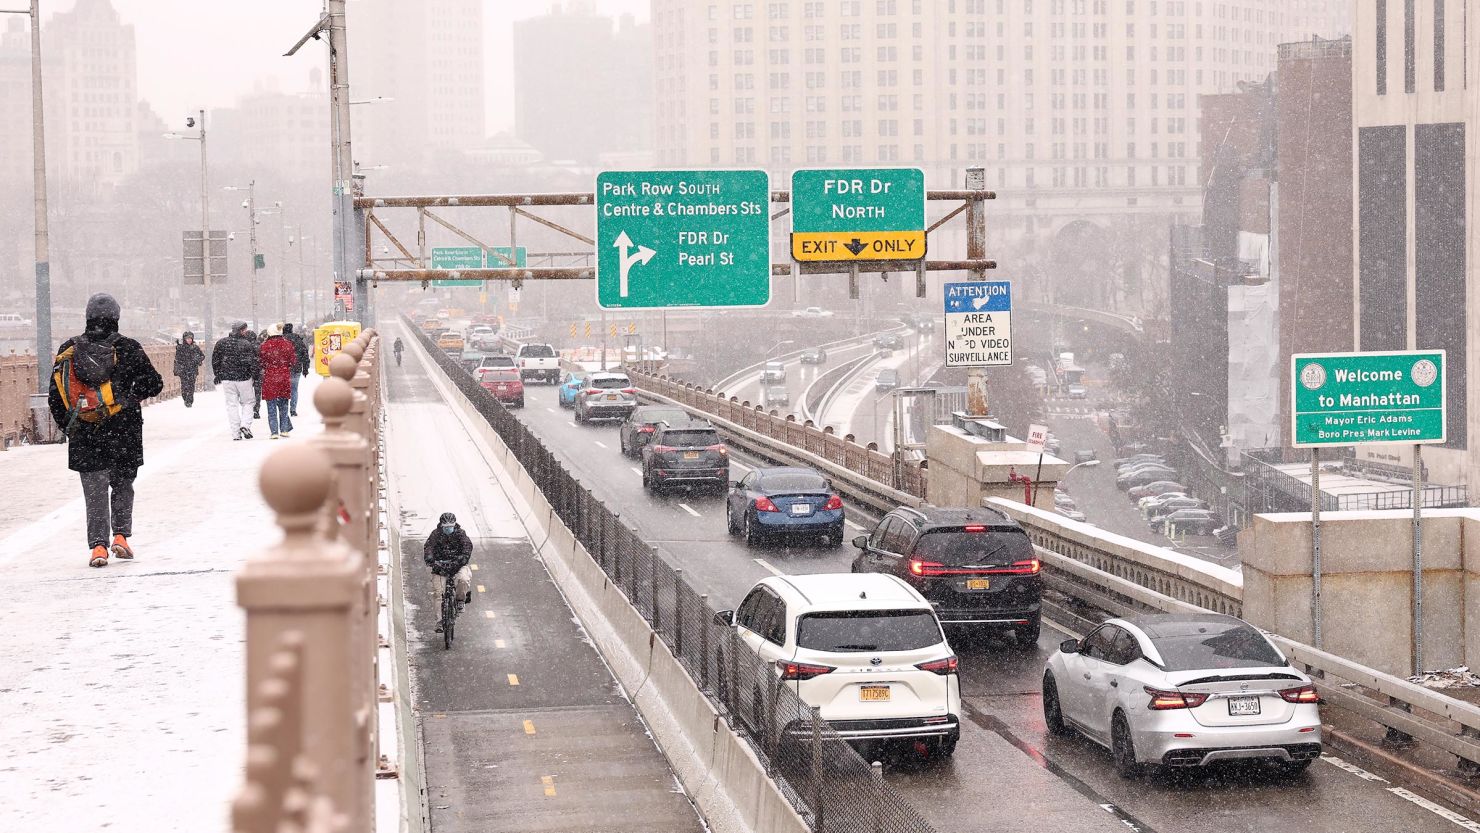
(823, 776)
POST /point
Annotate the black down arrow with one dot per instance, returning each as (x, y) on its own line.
(856, 247)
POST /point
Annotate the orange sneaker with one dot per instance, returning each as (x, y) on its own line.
(99, 557)
(121, 548)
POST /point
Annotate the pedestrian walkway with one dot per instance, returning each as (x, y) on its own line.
(121, 693)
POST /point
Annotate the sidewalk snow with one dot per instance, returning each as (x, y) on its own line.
(121, 688)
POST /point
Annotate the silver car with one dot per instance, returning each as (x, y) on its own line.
(605, 395)
(1182, 690)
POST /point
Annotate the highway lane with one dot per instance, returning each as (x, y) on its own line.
(866, 412)
(798, 377)
(1008, 774)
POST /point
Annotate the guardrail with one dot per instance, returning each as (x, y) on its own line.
(739, 376)
(825, 382)
(311, 619)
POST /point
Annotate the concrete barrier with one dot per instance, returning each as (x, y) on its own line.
(715, 766)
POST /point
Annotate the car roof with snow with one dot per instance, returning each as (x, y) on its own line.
(849, 591)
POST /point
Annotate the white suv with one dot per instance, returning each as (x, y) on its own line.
(865, 649)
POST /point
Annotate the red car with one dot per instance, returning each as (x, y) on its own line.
(504, 384)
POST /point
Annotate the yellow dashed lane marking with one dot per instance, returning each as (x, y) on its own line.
(529, 727)
(513, 679)
(549, 783)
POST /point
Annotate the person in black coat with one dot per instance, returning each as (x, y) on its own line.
(107, 454)
(300, 367)
(236, 367)
(447, 551)
(188, 359)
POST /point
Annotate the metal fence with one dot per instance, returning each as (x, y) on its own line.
(823, 776)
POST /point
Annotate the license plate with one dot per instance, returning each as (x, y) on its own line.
(801, 509)
(1243, 706)
(611, 397)
(873, 694)
(691, 455)
(978, 583)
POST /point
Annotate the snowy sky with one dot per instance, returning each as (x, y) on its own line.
(191, 58)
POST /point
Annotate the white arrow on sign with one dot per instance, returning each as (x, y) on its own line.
(643, 255)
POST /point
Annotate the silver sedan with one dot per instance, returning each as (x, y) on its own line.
(1183, 690)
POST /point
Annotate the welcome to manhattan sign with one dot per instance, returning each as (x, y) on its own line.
(1357, 398)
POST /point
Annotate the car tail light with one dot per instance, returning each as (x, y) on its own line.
(764, 504)
(1300, 694)
(718, 448)
(1028, 567)
(801, 670)
(660, 449)
(630, 391)
(974, 528)
(1167, 700)
(925, 568)
(833, 502)
(943, 667)
(646, 429)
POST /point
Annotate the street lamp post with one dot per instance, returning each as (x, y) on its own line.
(205, 219)
(251, 206)
(38, 172)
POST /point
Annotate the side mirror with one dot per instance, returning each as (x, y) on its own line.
(724, 618)
(861, 542)
(1069, 646)
(735, 485)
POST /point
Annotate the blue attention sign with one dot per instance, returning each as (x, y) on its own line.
(979, 296)
(978, 324)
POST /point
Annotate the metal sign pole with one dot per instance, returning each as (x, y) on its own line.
(1315, 546)
(1417, 559)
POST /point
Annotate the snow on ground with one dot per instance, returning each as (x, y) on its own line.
(121, 692)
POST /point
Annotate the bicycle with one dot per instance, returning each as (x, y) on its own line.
(452, 604)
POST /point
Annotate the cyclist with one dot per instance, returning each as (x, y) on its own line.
(448, 551)
(398, 347)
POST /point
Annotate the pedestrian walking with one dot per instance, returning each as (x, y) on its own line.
(98, 384)
(188, 359)
(301, 368)
(398, 348)
(237, 369)
(278, 361)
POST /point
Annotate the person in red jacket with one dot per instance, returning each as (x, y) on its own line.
(278, 358)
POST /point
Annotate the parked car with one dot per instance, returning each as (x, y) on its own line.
(774, 372)
(1182, 690)
(784, 502)
(1061, 499)
(605, 395)
(640, 426)
(505, 385)
(775, 395)
(1188, 521)
(1077, 392)
(1142, 457)
(1085, 455)
(1144, 475)
(685, 453)
(812, 312)
(975, 565)
(867, 651)
(1167, 507)
(539, 361)
(888, 379)
(1155, 488)
(1071, 513)
(1147, 504)
(569, 385)
(813, 355)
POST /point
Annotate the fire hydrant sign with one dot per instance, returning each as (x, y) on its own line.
(683, 239)
(857, 214)
(978, 324)
(1357, 398)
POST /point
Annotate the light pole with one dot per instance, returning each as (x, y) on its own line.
(253, 212)
(205, 219)
(38, 173)
(297, 242)
(1089, 464)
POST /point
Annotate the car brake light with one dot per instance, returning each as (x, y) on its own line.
(833, 502)
(975, 528)
(925, 568)
(764, 504)
(631, 391)
(943, 667)
(1028, 567)
(1301, 694)
(646, 429)
(719, 447)
(659, 449)
(1167, 700)
(801, 670)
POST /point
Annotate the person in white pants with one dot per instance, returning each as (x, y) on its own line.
(235, 366)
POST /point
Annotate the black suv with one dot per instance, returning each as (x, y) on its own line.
(976, 567)
(685, 454)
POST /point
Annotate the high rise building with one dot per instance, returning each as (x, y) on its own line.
(1415, 267)
(91, 94)
(289, 129)
(427, 58)
(1083, 112)
(583, 88)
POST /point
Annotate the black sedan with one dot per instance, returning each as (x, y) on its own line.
(784, 501)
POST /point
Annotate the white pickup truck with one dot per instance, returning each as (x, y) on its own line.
(539, 361)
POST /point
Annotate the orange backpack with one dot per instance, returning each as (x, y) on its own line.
(83, 376)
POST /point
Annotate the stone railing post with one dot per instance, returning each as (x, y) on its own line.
(310, 584)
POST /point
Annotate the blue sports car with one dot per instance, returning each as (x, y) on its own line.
(784, 501)
(569, 384)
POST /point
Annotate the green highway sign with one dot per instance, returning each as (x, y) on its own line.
(501, 257)
(1356, 398)
(457, 257)
(857, 214)
(682, 239)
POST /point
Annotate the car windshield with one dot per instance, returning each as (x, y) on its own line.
(793, 482)
(539, 351)
(575, 378)
(610, 383)
(691, 439)
(853, 631)
(1209, 647)
(957, 547)
(655, 415)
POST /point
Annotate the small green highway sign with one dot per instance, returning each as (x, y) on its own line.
(854, 214)
(683, 239)
(1355, 398)
(457, 257)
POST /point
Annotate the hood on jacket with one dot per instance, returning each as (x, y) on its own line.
(188, 335)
